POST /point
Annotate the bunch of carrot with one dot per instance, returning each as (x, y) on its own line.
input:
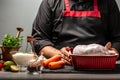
(54, 62)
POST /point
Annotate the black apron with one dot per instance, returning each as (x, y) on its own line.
(80, 27)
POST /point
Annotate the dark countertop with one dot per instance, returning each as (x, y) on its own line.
(67, 73)
(58, 76)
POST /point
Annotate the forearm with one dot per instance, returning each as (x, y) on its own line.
(49, 51)
(42, 29)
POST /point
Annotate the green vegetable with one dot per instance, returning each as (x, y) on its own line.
(7, 65)
(10, 41)
(14, 68)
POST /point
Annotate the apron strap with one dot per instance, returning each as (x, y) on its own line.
(95, 5)
(67, 5)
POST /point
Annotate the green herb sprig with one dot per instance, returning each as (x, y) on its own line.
(11, 41)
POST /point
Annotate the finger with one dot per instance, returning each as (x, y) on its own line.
(108, 45)
(68, 48)
(66, 58)
(114, 51)
(67, 62)
(64, 51)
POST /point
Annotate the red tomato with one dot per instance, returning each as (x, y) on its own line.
(1, 65)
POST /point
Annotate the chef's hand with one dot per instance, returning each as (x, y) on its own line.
(66, 51)
(111, 50)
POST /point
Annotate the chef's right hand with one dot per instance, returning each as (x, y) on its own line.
(66, 51)
(111, 50)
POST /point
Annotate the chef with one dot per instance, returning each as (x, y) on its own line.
(61, 24)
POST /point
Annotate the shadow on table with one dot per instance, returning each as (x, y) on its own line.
(70, 69)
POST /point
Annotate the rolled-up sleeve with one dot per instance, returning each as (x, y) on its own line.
(42, 27)
(114, 24)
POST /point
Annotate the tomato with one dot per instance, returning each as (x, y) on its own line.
(1, 65)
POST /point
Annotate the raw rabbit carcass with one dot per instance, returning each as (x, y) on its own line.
(91, 50)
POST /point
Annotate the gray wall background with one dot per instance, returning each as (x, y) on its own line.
(19, 13)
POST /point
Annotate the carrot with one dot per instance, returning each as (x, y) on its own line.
(56, 65)
(52, 59)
